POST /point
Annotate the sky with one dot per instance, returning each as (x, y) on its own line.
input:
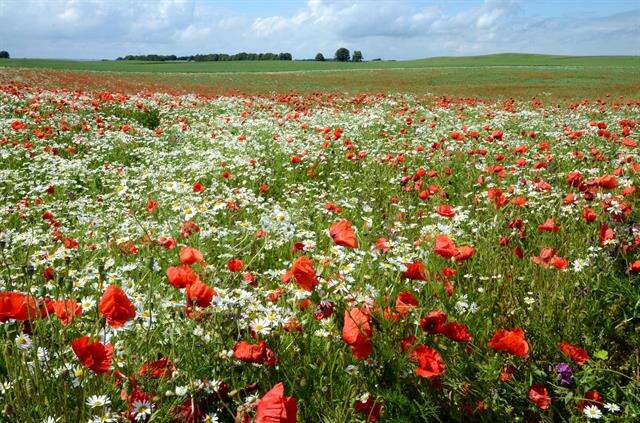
(388, 29)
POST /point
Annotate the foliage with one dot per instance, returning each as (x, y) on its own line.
(342, 55)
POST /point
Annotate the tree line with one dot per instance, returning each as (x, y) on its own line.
(213, 57)
(341, 55)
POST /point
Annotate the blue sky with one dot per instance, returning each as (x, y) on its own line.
(389, 29)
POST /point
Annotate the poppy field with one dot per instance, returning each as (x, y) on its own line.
(317, 258)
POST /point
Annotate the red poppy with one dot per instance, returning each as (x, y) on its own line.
(577, 354)
(65, 310)
(18, 306)
(382, 245)
(539, 395)
(95, 356)
(181, 276)
(369, 408)
(416, 271)
(116, 307)
(634, 267)
(304, 273)
(456, 332)
(445, 247)
(405, 302)
(190, 255)
(588, 214)
(549, 225)
(356, 332)
(235, 265)
(608, 182)
(274, 407)
(507, 372)
(49, 274)
(343, 234)
(591, 398)
(157, 369)
(510, 341)
(252, 353)
(200, 293)
(606, 234)
(433, 322)
(198, 187)
(430, 363)
(446, 210)
(464, 253)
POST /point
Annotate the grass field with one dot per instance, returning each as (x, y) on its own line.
(495, 76)
(320, 242)
(501, 60)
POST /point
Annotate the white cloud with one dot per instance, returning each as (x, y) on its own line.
(389, 29)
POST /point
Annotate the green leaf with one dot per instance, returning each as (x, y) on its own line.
(602, 355)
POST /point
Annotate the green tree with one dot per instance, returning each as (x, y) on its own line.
(319, 57)
(4, 54)
(342, 55)
(357, 56)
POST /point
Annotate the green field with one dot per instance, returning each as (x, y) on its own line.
(494, 76)
(509, 60)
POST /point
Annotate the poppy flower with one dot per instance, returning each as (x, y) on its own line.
(95, 356)
(342, 234)
(382, 245)
(591, 398)
(446, 210)
(606, 234)
(252, 353)
(17, 306)
(589, 214)
(235, 265)
(198, 187)
(274, 407)
(304, 273)
(49, 274)
(415, 271)
(157, 369)
(369, 408)
(510, 341)
(200, 293)
(190, 255)
(634, 267)
(549, 225)
(405, 302)
(65, 310)
(608, 182)
(464, 253)
(433, 322)
(116, 307)
(576, 354)
(356, 332)
(430, 363)
(445, 247)
(539, 395)
(456, 332)
(181, 276)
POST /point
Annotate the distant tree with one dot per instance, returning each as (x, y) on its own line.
(342, 55)
(4, 54)
(319, 57)
(357, 56)
(285, 56)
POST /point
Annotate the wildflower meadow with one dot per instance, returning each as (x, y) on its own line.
(317, 258)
